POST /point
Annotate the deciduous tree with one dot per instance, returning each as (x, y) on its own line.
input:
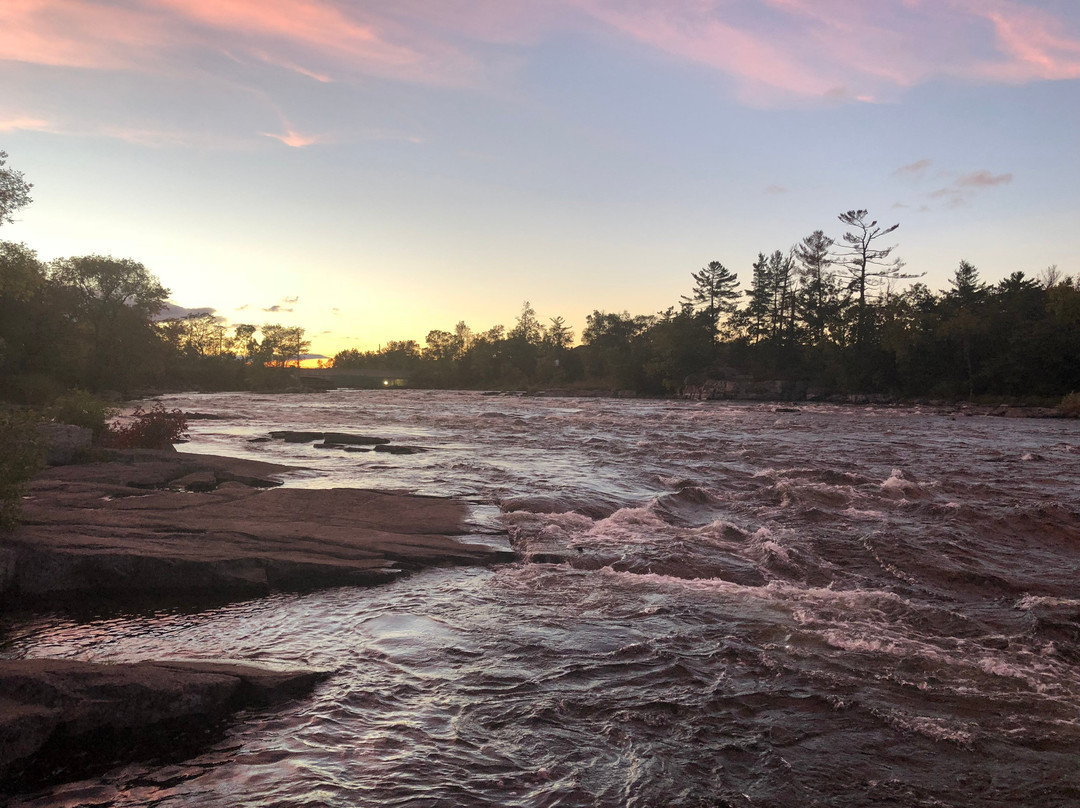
(14, 191)
(114, 300)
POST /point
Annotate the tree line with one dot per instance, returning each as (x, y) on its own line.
(91, 322)
(826, 313)
(831, 314)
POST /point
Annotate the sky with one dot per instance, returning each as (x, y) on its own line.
(373, 170)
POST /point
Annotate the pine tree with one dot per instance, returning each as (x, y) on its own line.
(818, 302)
(866, 264)
(715, 291)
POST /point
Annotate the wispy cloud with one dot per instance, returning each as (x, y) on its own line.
(779, 51)
(1034, 43)
(960, 191)
(773, 52)
(68, 124)
(776, 189)
(983, 179)
(285, 305)
(316, 38)
(917, 169)
(77, 33)
(295, 139)
(25, 123)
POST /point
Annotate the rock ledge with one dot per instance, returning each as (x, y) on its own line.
(169, 524)
(64, 719)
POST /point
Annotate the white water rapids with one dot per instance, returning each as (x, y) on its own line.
(714, 605)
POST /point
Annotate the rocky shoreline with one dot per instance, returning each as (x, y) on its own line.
(167, 527)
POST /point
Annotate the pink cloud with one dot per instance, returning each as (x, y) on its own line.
(140, 135)
(983, 179)
(294, 139)
(695, 32)
(781, 50)
(1031, 40)
(316, 29)
(24, 123)
(916, 169)
(312, 37)
(960, 190)
(775, 52)
(74, 33)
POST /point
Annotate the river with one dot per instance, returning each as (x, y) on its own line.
(822, 607)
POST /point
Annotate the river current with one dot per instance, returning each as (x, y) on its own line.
(715, 604)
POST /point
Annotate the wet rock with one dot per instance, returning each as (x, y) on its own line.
(338, 438)
(353, 440)
(65, 719)
(399, 450)
(296, 437)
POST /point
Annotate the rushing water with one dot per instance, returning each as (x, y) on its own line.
(829, 607)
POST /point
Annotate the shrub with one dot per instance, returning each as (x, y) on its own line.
(22, 455)
(156, 428)
(81, 409)
(1070, 404)
(31, 389)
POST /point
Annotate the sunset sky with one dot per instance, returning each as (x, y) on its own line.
(372, 170)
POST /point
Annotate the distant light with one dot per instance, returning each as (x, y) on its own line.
(386, 382)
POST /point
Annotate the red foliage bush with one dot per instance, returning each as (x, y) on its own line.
(156, 428)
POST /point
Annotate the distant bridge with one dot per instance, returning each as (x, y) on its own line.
(363, 378)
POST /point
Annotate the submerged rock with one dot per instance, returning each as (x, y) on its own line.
(64, 719)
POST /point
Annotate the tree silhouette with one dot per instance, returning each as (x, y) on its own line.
(818, 302)
(715, 292)
(865, 263)
(14, 191)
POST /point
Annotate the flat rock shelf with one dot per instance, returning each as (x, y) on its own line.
(162, 524)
